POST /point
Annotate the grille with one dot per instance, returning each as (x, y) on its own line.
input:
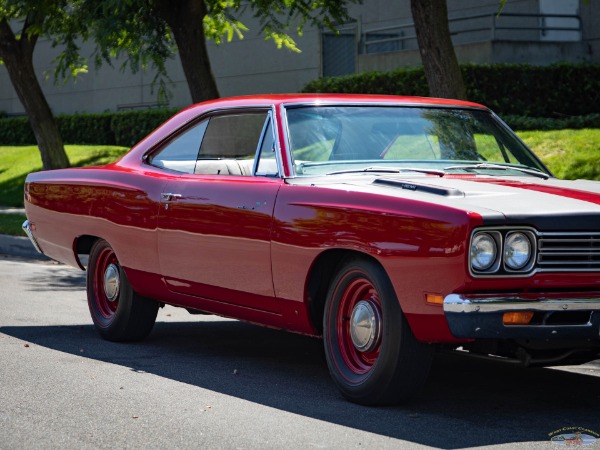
(569, 251)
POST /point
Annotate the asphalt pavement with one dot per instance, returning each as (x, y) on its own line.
(205, 382)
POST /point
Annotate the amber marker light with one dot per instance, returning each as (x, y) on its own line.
(517, 318)
(434, 299)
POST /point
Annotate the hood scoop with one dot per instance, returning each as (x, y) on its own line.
(419, 187)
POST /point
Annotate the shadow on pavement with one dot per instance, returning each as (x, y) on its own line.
(466, 403)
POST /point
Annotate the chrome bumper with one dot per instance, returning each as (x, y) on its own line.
(27, 229)
(481, 317)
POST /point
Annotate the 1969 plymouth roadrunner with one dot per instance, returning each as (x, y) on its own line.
(388, 226)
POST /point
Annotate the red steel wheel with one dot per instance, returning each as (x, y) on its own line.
(118, 313)
(106, 285)
(372, 355)
(358, 324)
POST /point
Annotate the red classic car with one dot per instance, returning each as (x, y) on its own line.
(388, 226)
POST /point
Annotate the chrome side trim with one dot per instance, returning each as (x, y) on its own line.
(456, 303)
(27, 229)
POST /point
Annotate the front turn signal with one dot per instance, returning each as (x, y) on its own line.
(434, 299)
(517, 318)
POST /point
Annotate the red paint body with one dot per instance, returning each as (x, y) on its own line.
(245, 247)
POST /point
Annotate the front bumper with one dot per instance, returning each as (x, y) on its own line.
(481, 317)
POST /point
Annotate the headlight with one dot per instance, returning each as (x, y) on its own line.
(517, 251)
(484, 251)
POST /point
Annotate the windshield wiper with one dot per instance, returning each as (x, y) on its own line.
(439, 173)
(534, 172)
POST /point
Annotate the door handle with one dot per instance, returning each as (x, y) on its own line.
(167, 196)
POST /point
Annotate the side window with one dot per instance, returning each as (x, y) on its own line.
(222, 145)
(180, 153)
(230, 144)
(267, 162)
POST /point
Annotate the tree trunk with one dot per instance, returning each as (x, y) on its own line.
(17, 55)
(442, 71)
(185, 18)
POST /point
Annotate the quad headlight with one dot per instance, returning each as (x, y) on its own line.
(517, 250)
(484, 251)
(502, 251)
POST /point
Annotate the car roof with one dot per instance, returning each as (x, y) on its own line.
(268, 100)
(279, 99)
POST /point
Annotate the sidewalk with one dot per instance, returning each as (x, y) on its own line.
(11, 210)
(18, 245)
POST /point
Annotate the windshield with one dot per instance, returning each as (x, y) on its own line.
(340, 139)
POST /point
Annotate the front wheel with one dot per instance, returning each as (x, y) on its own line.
(372, 354)
(118, 313)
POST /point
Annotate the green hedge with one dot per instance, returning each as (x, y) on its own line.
(16, 131)
(121, 128)
(130, 127)
(509, 89)
(87, 129)
(527, 97)
(526, 123)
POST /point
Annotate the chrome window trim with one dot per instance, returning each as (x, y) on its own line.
(505, 125)
(221, 111)
(398, 104)
(190, 123)
(284, 106)
(278, 148)
(269, 121)
(286, 136)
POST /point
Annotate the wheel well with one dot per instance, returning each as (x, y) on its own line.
(321, 274)
(83, 246)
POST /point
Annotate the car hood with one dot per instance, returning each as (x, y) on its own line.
(551, 203)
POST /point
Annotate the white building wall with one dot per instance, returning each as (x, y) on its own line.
(241, 67)
(253, 65)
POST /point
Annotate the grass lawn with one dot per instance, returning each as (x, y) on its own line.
(17, 162)
(11, 224)
(570, 154)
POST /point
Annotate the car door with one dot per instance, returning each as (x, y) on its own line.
(215, 221)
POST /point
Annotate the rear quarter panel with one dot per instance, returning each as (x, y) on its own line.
(117, 205)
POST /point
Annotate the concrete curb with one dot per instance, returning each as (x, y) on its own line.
(11, 210)
(19, 246)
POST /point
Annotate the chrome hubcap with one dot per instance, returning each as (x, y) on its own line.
(365, 326)
(111, 282)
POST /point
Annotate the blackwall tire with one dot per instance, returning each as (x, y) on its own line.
(118, 313)
(372, 354)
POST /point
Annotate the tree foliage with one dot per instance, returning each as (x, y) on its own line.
(147, 33)
(141, 34)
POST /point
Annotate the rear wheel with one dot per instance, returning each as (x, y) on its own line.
(118, 313)
(373, 357)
